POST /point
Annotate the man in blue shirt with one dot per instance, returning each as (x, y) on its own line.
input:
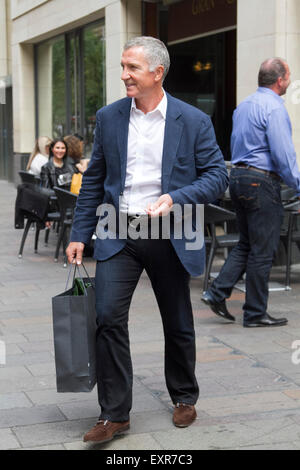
(262, 155)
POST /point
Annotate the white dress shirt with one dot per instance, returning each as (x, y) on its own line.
(144, 158)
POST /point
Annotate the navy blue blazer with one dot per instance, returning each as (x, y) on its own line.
(193, 172)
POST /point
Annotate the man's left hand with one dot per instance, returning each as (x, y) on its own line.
(161, 207)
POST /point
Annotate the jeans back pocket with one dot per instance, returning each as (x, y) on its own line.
(246, 193)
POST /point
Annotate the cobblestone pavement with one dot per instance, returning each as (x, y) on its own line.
(250, 387)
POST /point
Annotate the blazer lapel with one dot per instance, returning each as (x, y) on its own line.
(122, 125)
(173, 132)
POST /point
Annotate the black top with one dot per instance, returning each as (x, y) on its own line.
(52, 175)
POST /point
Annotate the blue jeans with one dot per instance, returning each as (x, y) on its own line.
(257, 202)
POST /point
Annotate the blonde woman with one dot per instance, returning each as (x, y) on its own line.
(39, 155)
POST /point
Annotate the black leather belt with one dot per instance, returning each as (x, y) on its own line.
(148, 227)
(272, 174)
(138, 218)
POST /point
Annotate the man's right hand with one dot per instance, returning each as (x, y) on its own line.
(74, 252)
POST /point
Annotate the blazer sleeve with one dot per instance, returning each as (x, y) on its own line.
(212, 176)
(91, 192)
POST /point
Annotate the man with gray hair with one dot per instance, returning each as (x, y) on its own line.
(151, 152)
(155, 52)
(262, 155)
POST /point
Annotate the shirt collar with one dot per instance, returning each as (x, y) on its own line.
(161, 107)
(268, 91)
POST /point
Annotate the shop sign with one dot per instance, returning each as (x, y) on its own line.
(194, 17)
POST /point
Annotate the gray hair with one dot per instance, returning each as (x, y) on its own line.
(155, 51)
(270, 71)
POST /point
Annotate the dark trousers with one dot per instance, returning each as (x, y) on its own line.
(116, 280)
(257, 202)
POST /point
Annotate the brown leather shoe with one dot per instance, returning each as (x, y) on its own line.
(184, 415)
(105, 431)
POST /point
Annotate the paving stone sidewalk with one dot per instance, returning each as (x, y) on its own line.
(249, 385)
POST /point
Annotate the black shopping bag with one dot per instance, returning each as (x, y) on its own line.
(74, 328)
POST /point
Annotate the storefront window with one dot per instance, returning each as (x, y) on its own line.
(71, 83)
(94, 77)
(51, 87)
(74, 79)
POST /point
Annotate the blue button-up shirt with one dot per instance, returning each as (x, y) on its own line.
(262, 136)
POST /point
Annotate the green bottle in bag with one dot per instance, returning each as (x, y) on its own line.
(79, 287)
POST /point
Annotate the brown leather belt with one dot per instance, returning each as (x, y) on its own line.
(272, 174)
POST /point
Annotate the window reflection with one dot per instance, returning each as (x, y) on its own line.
(94, 78)
(71, 83)
(51, 87)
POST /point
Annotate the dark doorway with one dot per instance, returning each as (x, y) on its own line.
(203, 73)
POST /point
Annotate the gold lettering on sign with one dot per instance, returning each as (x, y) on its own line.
(201, 6)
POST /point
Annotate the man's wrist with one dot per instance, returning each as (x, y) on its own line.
(170, 203)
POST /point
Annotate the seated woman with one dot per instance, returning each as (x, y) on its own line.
(39, 155)
(58, 171)
(75, 152)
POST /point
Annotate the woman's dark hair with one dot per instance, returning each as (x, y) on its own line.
(53, 143)
(270, 71)
(74, 147)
